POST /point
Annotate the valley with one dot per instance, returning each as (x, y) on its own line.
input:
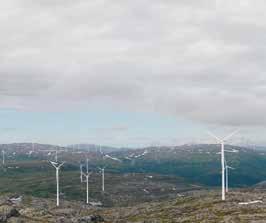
(162, 183)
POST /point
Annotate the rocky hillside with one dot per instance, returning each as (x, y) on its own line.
(201, 206)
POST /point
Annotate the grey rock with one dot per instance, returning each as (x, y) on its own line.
(91, 219)
(7, 212)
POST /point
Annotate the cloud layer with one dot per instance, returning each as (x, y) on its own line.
(202, 60)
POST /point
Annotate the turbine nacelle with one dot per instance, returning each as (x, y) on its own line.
(224, 139)
(87, 174)
(56, 164)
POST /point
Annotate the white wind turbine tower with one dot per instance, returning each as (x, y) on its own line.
(222, 141)
(81, 173)
(87, 175)
(3, 157)
(102, 172)
(56, 155)
(226, 175)
(103, 168)
(32, 149)
(57, 166)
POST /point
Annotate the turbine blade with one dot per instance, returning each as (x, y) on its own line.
(113, 158)
(214, 136)
(61, 164)
(83, 174)
(230, 167)
(230, 135)
(54, 164)
(232, 151)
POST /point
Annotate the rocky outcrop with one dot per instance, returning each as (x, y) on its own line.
(200, 206)
(90, 219)
(7, 212)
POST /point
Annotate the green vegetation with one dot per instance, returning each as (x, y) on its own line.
(172, 171)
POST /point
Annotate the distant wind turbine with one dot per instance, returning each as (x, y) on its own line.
(222, 142)
(100, 149)
(57, 166)
(103, 182)
(226, 175)
(81, 173)
(56, 155)
(87, 175)
(32, 150)
(102, 169)
(3, 157)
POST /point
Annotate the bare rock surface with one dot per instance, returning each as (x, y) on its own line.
(200, 206)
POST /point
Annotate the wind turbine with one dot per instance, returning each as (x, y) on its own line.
(100, 149)
(226, 175)
(222, 142)
(32, 149)
(102, 169)
(103, 183)
(87, 175)
(57, 166)
(56, 155)
(81, 173)
(3, 157)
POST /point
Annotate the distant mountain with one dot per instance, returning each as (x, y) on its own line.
(260, 185)
(260, 148)
(26, 147)
(92, 148)
(198, 163)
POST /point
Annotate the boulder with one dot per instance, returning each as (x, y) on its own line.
(64, 220)
(7, 212)
(91, 219)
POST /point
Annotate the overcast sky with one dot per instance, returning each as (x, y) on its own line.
(131, 72)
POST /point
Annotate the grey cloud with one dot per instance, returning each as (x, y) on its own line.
(202, 60)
